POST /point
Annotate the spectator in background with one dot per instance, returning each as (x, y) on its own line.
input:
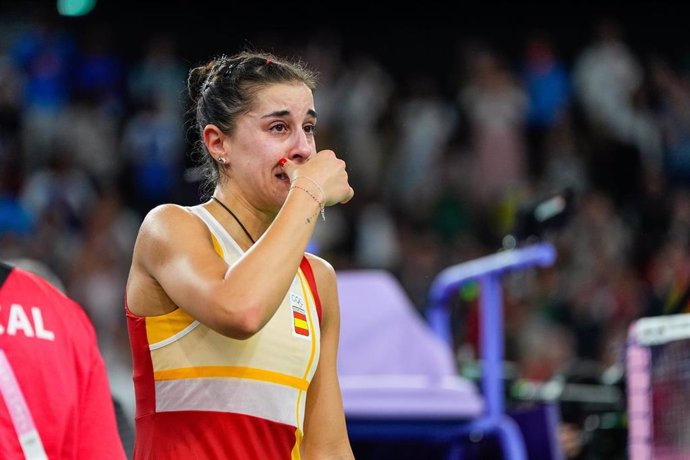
(99, 71)
(609, 84)
(54, 385)
(15, 219)
(607, 75)
(152, 147)
(58, 197)
(363, 92)
(495, 104)
(44, 55)
(673, 89)
(90, 135)
(159, 75)
(425, 121)
(547, 82)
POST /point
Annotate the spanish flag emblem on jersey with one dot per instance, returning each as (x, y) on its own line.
(300, 324)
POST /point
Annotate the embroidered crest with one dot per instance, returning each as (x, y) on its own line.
(300, 325)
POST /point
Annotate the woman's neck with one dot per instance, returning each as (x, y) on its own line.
(244, 222)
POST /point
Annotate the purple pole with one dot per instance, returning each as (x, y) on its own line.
(488, 270)
(491, 340)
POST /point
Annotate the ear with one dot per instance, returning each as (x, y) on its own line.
(214, 139)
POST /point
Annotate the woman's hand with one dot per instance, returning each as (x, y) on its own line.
(323, 174)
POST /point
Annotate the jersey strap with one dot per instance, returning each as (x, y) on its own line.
(309, 274)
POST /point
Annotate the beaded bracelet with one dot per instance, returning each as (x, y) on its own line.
(320, 203)
(323, 195)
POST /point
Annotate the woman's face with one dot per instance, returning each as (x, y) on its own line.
(280, 125)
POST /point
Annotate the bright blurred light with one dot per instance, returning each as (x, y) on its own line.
(75, 7)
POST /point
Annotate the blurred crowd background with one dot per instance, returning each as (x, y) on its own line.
(450, 129)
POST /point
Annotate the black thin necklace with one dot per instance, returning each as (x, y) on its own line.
(246, 232)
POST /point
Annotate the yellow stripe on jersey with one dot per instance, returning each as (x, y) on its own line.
(298, 438)
(159, 328)
(295, 454)
(216, 246)
(305, 288)
(232, 371)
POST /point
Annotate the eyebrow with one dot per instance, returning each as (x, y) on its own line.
(282, 113)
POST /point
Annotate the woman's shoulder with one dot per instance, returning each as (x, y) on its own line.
(165, 211)
(324, 273)
(168, 219)
(168, 212)
(320, 266)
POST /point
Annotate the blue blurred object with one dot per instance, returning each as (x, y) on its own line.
(313, 247)
(14, 218)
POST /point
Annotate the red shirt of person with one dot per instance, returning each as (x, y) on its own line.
(48, 344)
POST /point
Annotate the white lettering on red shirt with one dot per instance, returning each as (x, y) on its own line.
(19, 321)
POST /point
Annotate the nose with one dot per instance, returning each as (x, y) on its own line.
(301, 147)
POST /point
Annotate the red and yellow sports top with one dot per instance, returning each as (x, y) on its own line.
(201, 395)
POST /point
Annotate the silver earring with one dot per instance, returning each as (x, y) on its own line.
(221, 160)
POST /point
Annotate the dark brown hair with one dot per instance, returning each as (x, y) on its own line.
(224, 88)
